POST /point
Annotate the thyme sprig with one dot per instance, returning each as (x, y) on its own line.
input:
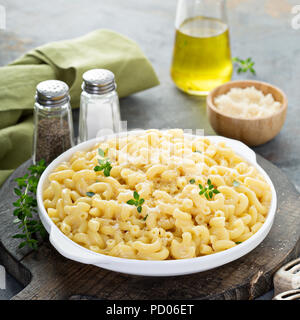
(209, 190)
(136, 201)
(236, 183)
(26, 206)
(104, 164)
(244, 65)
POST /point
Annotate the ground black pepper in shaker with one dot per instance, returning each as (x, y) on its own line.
(53, 126)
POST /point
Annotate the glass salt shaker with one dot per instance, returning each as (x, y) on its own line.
(99, 105)
(53, 125)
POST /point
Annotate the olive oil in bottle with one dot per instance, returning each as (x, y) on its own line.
(201, 57)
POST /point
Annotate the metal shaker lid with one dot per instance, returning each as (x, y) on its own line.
(52, 93)
(98, 81)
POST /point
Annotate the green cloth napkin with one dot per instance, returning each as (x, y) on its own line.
(67, 61)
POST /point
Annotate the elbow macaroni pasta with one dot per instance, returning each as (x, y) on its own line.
(176, 222)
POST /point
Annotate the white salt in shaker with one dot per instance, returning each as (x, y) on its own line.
(99, 105)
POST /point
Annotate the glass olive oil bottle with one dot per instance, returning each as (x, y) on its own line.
(201, 57)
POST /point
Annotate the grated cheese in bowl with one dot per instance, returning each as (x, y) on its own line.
(247, 103)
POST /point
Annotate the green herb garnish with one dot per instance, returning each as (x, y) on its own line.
(145, 217)
(104, 164)
(90, 194)
(101, 152)
(238, 242)
(192, 181)
(209, 190)
(235, 183)
(244, 65)
(26, 207)
(198, 151)
(136, 202)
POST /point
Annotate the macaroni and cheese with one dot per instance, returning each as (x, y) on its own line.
(157, 195)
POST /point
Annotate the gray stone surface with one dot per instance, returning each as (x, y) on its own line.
(260, 29)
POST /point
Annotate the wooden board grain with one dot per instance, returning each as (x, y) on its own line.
(48, 275)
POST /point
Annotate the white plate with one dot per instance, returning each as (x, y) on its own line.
(74, 251)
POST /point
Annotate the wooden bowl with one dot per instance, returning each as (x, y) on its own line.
(252, 132)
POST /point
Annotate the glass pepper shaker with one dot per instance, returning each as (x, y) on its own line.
(99, 105)
(53, 125)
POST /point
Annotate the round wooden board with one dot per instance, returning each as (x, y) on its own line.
(48, 275)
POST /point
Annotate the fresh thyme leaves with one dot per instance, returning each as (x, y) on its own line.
(192, 181)
(198, 151)
(238, 242)
(145, 217)
(235, 183)
(26, 206)
(101, 152)
(209, 190)
(90, 194)
(104, 164)
(136, 202)
(244, 65)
